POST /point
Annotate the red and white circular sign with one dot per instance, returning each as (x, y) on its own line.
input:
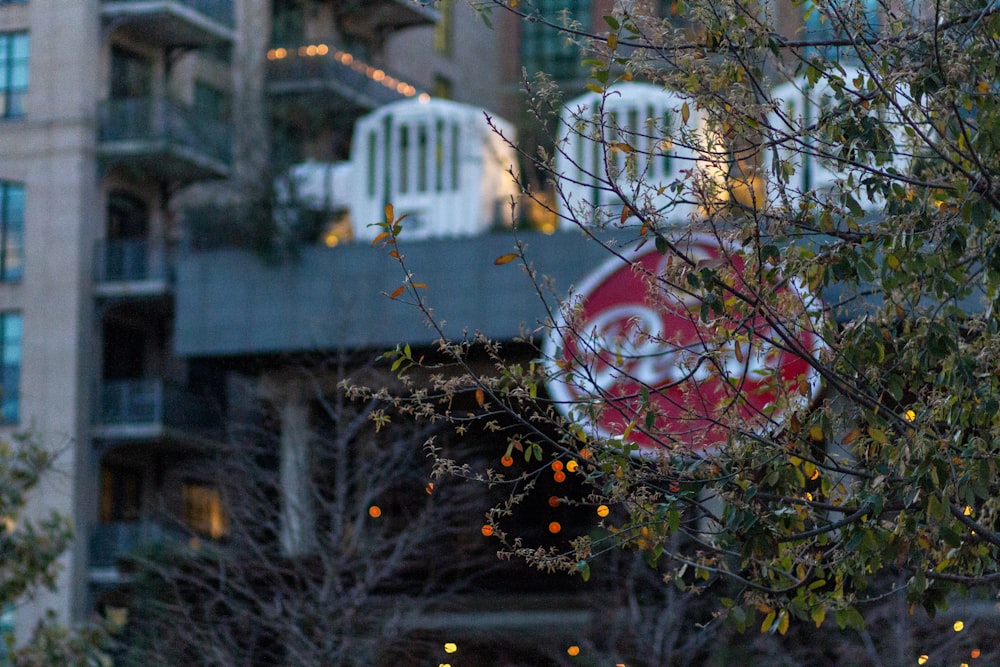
(631, 360)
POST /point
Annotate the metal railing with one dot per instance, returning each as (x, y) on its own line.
(112, 541)
(153, 402)
(130, 260)
(220, 11)
(157, 119)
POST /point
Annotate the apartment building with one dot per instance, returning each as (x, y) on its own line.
(117, 117)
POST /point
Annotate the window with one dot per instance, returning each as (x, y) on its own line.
(7, 628)
(11, 231)
(838, 19)
(131, 75)
(442, 87)
(121, 494)
(210, 103)
(10, 368)
(13, 73)
(544, 48)
(203, 511)
(443, 28)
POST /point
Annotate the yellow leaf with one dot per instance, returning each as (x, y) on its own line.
(818, 615)
(816, 433)
(621, 146)
(397, 292)
(878, 435)
(783, 622)
(685, 113)
(851, 436)
(390, 213)
(612, 41)
(505, 259)
(626, 212)
(419, 285)
(383, 235)
(394, 254)
(768, 622)
(480, 397)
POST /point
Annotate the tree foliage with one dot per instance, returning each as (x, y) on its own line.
(884, 485)
(30, 548)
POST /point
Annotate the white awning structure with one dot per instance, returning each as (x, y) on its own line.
(799, 148)
(439, 162)
(638, 146)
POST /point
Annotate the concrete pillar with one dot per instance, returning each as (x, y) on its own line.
(298, 516)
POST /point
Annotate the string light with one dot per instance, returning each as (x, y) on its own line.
(345, 58)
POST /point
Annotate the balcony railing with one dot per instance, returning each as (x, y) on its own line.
(164, 137)
(113, 541)
(131, 261)
(335, 75)
(150, 408)
(183, 23)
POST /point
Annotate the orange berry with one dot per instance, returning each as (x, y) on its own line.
(374, 511)
(573, 650)
(554, 527)
(487, 530)
(507, 461)
(557, 465)
(572, 466)
(603, 510)
(553, 501)
(559, 476)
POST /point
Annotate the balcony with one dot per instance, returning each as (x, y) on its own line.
(163, 139)
(111, 542)
(333, 78)
(371, 19)
(171, 23)
(131, 267)
(148, 409)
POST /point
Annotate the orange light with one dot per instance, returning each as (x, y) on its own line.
(374, 511)
(507, 461)
(559, 477)
(487, 530)
(603, 510)
(553, 501)
(378, 75)
(322, 49)
(554, 527)
(557, 465)
(573, 650)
